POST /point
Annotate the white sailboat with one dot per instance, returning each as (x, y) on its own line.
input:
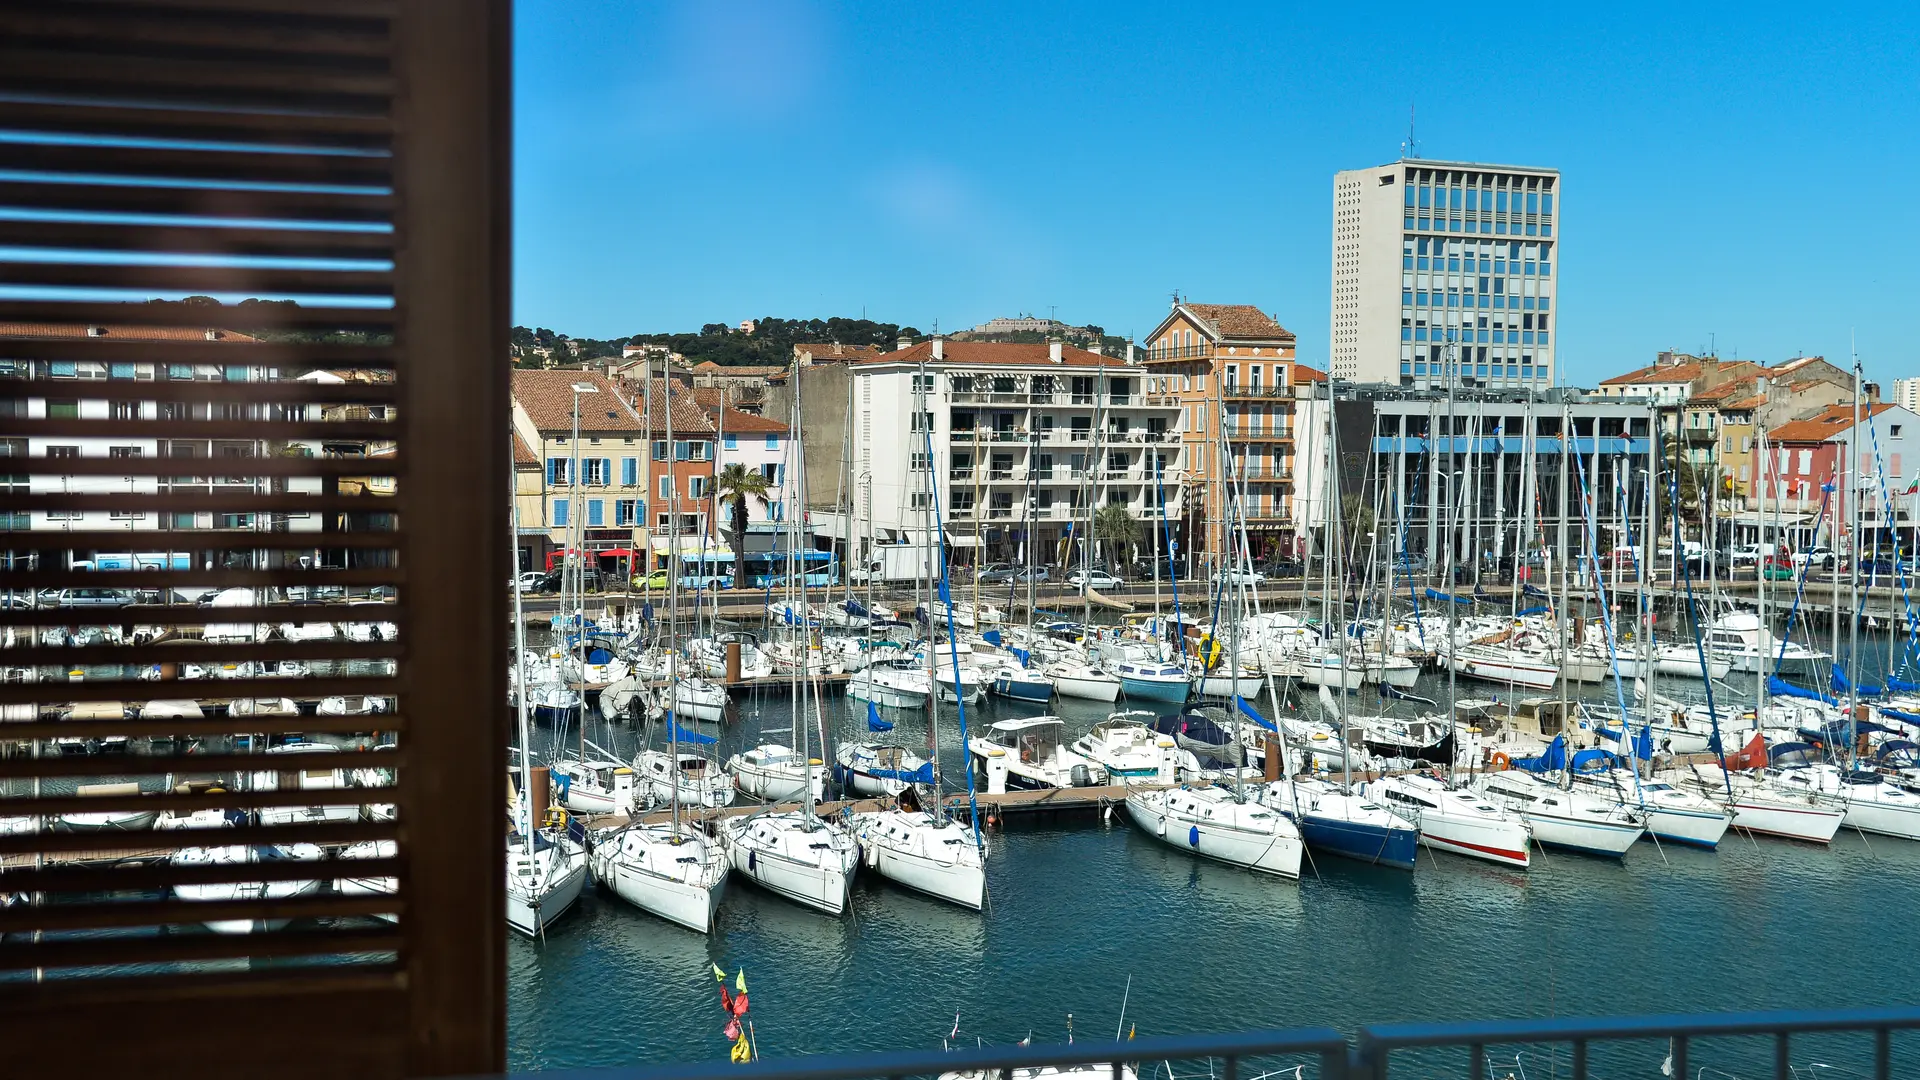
(1453, 820)
(1083, 680)
(1218, 823)
(1569, 818)
(774, 773)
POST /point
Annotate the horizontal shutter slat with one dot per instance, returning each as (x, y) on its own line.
(210, 470)
(165, 840)
(263, 354)
(236, 240)
(196, 278)
(212, 725)
(193, 652)
(121, 689)
(289, 167)
(372, 9)
(230, 82)
(194, 616)
(176, 948)
(147, 876)
(206, 429)
(199, 201)
(125, 913)
(229, 316)
(166, 801)
(68, 29)
(288, 392)
(177, 541)
(363, 131)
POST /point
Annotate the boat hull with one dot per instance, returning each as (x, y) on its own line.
(1107, 690)
(1022, 689)
(1609, 840)
(821, 888)
(531, 918)
(1174, 690)
(1692, 827)
(683, 903)
(1811, 824)
(1376, 844)
(1267, 853)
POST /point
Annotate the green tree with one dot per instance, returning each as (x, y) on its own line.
(735, 485)
(1116, 525)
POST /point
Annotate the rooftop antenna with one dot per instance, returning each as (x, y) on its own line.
(1411, 147)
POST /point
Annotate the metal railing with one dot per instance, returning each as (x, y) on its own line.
(1632, 1045)
(1236, 390)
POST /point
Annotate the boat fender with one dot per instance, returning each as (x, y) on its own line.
(1193, 836)
(1501, 762)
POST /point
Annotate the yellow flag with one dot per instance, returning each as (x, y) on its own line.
(718, 975)
(1131, 1030)
(742, 1050)
(740, 982)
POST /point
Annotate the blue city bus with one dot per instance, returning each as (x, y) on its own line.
(768, 569)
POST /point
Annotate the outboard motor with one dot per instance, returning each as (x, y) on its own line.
(1081, 776)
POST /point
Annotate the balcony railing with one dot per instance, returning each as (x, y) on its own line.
(1234, 390)
(1183, 352)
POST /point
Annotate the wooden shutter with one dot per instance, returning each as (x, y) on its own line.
(351, 156)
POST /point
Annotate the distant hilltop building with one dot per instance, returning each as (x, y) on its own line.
(746, 326)
(1027, 324)
(1443, 272)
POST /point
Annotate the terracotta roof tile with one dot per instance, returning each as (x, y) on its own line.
(117, 331)
(744, 423)
(835, 351)
(1825, 424)
(1239, 321)
(708, 367)
(547, 397)
(522, 453)
(1303, 373)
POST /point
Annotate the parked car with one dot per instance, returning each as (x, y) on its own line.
(530, 580)
(1093, 579)
(1748, 556)
(94, 598)
(997, 573)
(1413, 562)
(1240, 576)
(655, 580)
(1777, 569)
(1820, 557)
(1034, 574)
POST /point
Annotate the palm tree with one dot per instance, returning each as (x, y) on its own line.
(736, 484)
(1116, 525)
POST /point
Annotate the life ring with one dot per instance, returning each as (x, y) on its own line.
(1208, 651)
(556, 817)
(1501, 762)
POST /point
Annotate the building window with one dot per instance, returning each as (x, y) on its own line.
(659, 449)
(629, 471)
(594, 471)
(625, 511)
(556, 471)
(773, 442)
(733, 442)
(596, 512)
(696, 487)
(560, 512)
(665, 488)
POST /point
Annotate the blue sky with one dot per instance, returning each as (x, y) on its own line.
(1732, 175)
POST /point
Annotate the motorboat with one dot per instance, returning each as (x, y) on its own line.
(1088, 682)
(1452, 819)
(1752, 648)
(1022, 684)
(1337, 821)
(668, 870)
(898, 684)
(544, 878)
(1218, 823)
(368, 885)
(1126, 746)
(246, 855)
(699, 782)
(698, 699)
(939, 857)
(1568, 818)
(880, 769)
(1028, 752)
(960, 682)
(775, 773)
(794, 854)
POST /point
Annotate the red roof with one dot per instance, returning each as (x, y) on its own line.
(1825, 424)
(547, 397)
(1239, 322)
(736, 422)
(1303, 373)
(522, 453)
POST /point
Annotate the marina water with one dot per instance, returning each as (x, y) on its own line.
(1077, 907)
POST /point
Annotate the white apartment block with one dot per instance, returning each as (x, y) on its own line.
(1906, 394)
(1026, 440)
(1445, 270)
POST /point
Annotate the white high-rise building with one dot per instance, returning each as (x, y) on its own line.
(1906, 393)
(1445, 269)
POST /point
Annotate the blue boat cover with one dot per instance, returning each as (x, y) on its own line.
(1780, 687)
(1901, 686)
(685, 736)
(1535, 592)
(1839, 684)
(1022, 655)
(1540, 609)
(1555, 757)
(921, 775)
(1595, 760)
(1253, 714)
(991, 637)
(1642, 743)
(1437, 595)
(874, 723)
(1898, 714)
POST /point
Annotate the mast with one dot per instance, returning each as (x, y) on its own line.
(1339, 561)
(798, 634)
(930, 525)
(1645, 590)
(520, 666)
(1853, 566)
(673, 610)
(1761, 563)
(1453, 500)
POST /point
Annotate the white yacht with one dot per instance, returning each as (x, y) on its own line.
(1568, 818)
(1454, 820)
(1078, 679)
(366, 885)
(1672, 814)
(544, 878)
(698, 699)
(699, 781)
(794, 854)
(897, 684)
(939, 857)
(774, 773)
(1217, 823)
(880, 768)
(1028, 753)
(1752, 648)
(242, 854)
(596, 787)
(1125, 745)
(674, 872)
(1760, 806)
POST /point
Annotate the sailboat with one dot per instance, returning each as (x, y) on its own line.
(546, 868)
(1564, 817)
(794, 853)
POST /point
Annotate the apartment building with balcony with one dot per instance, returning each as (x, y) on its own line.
(1229, 370)
(155, 391)
(1025, 441)
(641, 481)
(1872, 463)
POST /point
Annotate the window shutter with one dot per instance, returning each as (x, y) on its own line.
(353, 155)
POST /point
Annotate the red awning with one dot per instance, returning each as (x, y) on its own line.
(623, 553)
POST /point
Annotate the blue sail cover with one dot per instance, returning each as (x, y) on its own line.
(685, 736)
(991, 637)
(1253, 714)
(1595, 760)
(1555, 757)
(1839, 684)
(1780, 687)
(874, 723)
(1642, 743)
(1439, 597)
(1899, 714)
(1540, 609)
(1901, 686)
(1843, 732)
(921, 775)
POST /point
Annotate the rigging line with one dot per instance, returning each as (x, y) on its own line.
(1912, 650)
(1800, 580)
(1606, 613)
